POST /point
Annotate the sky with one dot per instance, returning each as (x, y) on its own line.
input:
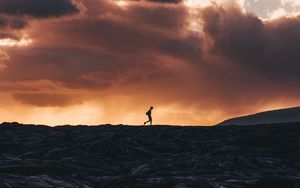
(197, 62)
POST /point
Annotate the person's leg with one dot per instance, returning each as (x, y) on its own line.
(150, 120)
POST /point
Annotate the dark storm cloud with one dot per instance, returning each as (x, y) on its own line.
(139, 27)
(12, 23)
(46, 99)
(37, 8)
(66, 65)
(268, 48)
(177, 47)
(169, 18)
(15, 15)
(95, 53)
(235, 35)
(146, 50)
(258, 61)
(8, 35)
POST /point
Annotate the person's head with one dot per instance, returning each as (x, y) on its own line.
(151, 107)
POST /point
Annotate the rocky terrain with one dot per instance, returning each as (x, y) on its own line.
(263, 156)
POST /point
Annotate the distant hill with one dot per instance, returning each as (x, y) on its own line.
(274, 116)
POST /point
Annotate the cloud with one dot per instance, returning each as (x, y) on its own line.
(3, 55)
(46, 99)
(272, 9)
(37, 8)
(93, 47)
(234, 34)
(3, 58)
(126, 59)
(15, 16)
(8, 26)
(247, 42)
(12, 23)
(255, 58)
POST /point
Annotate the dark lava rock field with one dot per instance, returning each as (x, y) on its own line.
(260, 156)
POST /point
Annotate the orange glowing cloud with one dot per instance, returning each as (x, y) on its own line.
(95, 62)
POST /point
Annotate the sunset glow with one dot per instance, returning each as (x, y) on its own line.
(197, 3)
(197, 62)
(122, 3)
(8, 42)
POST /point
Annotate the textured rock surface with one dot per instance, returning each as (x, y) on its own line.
(159, 156)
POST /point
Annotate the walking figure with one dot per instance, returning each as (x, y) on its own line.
(148, 113)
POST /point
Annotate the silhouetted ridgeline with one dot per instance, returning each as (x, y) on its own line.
(158, 156)
(268, 117)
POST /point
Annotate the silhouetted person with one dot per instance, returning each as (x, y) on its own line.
(148, 113)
